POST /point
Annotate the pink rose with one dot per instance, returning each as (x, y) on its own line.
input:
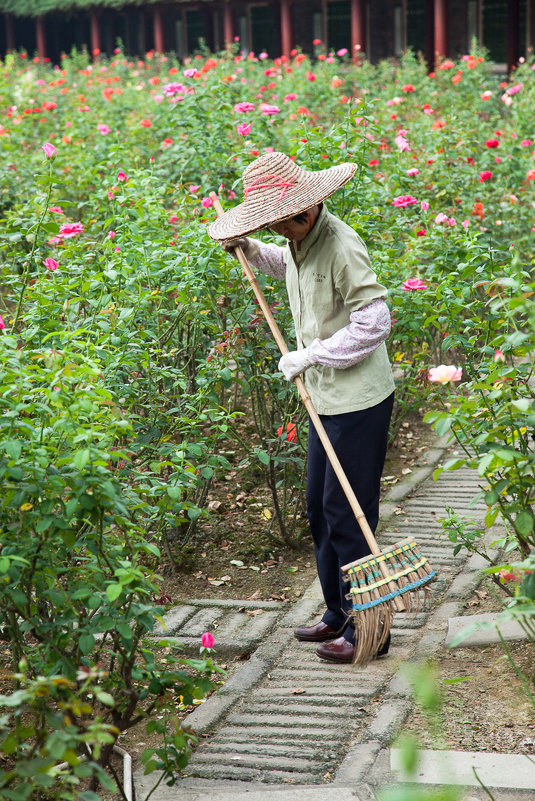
(172, 89)
(498, 356)
(243, 129)
(413, 283)
(401, 142)
(486, 175)
(241, 108)
(445, 373)
(441, 218)
(413, 171)
(424, 205)
(206, 202)
(68, 230)
(207, 640)
(49, 150)
(122, 176)
(103, 129)
(402, 201)
(267, 110)
(2, 324)
(51, 264)
(194, 187)
(190, 73)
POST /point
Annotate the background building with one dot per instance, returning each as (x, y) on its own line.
(378, 28)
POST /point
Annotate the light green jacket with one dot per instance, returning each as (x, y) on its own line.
(328, 278)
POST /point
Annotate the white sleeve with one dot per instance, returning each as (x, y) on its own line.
(368, 328)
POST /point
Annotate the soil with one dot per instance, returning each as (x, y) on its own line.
(486, 707)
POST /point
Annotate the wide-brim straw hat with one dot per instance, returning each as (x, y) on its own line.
(276, 188)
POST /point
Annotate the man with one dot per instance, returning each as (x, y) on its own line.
(341, 322)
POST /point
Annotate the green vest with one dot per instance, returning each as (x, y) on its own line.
(327, 279)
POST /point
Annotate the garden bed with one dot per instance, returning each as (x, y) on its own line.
(485, 705)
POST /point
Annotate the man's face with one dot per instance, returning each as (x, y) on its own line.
(293, 229)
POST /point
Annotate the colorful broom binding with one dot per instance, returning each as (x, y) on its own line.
(374, 601)
(381, 583)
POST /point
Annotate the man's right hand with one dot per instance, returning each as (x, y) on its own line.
(230, 244)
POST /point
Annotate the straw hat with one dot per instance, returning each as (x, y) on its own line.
(275, 188)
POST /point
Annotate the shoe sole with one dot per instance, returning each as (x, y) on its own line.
(346, 661)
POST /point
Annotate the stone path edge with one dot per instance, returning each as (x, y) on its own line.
(210, 713)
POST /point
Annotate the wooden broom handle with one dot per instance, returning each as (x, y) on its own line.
(307, 400)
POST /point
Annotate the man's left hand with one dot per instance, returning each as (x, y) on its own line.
(294, 363)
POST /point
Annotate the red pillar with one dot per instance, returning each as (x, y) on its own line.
(513, 33)
(159, 37)
(40, 37)
(441, 29)
(286, 28)
(228, 25)
(10, 33)
(358, 29)
(95, 34)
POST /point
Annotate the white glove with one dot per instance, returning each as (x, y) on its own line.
(294, 362)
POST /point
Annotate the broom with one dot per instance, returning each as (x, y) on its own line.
(387, 580)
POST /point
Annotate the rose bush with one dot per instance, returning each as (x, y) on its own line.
(129, 345)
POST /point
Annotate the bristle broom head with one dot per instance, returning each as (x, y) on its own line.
(376, 581)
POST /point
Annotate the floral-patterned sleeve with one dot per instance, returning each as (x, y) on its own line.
(367, 328)
(268, 258)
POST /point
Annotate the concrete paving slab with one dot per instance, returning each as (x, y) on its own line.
(482, 629)
(194, 790)
(511, 771)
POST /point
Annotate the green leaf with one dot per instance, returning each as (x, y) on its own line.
(86, 643)
(522, 404)
(524, 524)
(124, 630)
(263, 456)
(113, 591)
(81, 458)
(104, 698)
(13, 448)
(50, 227)
(174, 493)
(443, 425)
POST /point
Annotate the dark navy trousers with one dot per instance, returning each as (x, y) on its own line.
(359, 440)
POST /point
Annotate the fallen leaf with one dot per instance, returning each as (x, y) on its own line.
(254, 612)
(297, 691)
(293, 569)
(237, 562)
(254, 596)
(254, 567)
(213, 506)
(225, 578)
(216, 582)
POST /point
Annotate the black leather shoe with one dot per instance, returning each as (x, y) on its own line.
(318, 633)
(341, 650)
